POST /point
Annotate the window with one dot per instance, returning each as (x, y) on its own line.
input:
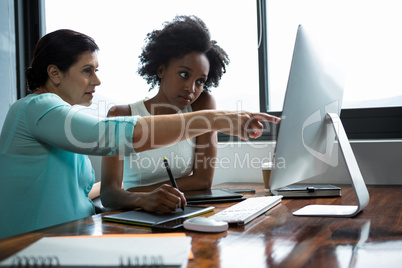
(361, 36)
(237, 20)
(120, 27)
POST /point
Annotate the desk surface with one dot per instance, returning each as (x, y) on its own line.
(371, 239)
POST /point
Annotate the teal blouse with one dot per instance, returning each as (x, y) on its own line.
(45, 173)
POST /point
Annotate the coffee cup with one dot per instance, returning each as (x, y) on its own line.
(266, 175)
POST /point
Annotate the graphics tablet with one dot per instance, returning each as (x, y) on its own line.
(212, 196)
(144, 218)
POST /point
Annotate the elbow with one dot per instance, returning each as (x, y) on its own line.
(106, 199)
(208, 179)
(208, 184)
(205, 184)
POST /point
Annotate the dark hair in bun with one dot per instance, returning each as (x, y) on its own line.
(61, 48)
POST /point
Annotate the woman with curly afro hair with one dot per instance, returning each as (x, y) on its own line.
(183, 62)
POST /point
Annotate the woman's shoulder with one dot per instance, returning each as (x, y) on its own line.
(44, 98)
(43, 101)
(119, 110)
(204, 102)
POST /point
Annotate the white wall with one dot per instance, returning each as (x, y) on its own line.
(380, 163)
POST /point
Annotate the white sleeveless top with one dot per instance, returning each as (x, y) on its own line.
(147, 168)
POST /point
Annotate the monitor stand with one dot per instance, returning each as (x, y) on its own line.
(358, 184)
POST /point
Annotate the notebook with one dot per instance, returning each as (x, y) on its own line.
(217, 195)
(148, 219)
(154, 250)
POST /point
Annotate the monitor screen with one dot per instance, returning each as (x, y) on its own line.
(305, 145)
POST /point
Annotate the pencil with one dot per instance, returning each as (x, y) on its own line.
(172, 180)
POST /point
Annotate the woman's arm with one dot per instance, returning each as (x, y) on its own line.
(153, 132)
(206, 150)
(54, 122)
(205, 154)
(95, 191)
(157, 131)
(78, 132)
(161, 199)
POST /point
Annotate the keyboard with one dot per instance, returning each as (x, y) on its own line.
(247, 210)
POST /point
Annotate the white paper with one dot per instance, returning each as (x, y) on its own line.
(107, 251)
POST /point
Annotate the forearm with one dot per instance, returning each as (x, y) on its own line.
(112, 194)
(202, 170)
(198, 180)
(194, 182)
(119, 199)
(95, 191)
(187, 183)
(204, 164)
(163, 199)
(147, 188)
(157, 131)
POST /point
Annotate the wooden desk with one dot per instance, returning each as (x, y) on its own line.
(371, 239)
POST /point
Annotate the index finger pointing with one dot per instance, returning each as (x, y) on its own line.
(266, 117)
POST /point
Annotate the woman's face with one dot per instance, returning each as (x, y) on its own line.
(182, 80)
(78, 83)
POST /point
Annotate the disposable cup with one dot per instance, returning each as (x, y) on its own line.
(266, 175)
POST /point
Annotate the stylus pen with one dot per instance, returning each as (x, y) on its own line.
(172, 180)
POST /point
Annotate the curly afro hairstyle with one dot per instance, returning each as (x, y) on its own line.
(182, 35)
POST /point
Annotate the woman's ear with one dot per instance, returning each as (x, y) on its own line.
(54, 74)
(161, 71)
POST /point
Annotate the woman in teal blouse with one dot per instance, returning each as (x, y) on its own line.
(46, 175)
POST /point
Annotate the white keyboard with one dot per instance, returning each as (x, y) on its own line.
(247, 210)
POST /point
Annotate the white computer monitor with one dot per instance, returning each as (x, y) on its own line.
(311, 136)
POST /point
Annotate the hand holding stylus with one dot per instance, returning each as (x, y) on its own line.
(172, 180)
